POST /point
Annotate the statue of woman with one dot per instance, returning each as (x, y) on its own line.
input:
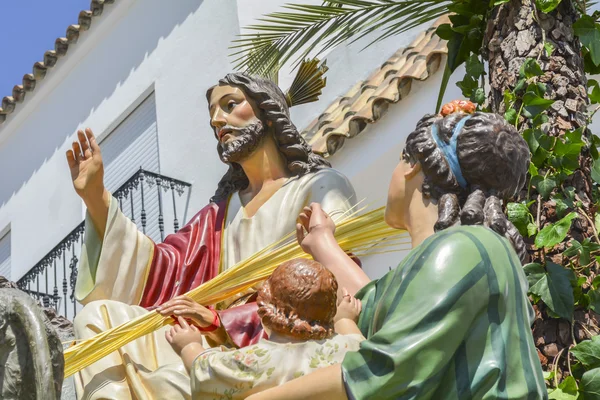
(452, 320)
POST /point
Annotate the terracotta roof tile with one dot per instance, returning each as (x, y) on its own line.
(51, 57)
(367, 101)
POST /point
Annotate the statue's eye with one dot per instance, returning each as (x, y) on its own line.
(231, 104)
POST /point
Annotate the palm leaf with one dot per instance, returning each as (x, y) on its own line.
(301, 29)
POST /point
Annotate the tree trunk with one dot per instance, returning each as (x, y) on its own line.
(516, 31)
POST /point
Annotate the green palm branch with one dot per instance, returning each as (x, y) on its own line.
(295, 34)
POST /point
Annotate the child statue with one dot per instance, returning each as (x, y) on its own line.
(297, 307)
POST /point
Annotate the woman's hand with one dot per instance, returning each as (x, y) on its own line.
(314, 229)
(183, 306)
(182, 334)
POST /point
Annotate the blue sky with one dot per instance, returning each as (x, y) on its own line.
(30, 28)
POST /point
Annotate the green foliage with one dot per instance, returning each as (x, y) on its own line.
(588, 31)
(567, 390)
(553, 286)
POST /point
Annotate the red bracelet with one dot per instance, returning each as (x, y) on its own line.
(212, 327)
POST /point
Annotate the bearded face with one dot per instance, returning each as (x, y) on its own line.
(243, 142)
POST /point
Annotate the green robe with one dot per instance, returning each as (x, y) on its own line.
(451, 322)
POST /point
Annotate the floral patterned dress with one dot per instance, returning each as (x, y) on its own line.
(219, 373)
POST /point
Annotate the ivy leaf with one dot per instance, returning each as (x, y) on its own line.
(531, 138)
(478, 96)
(474, 66)
(594, 299)
(553, 234)
(519, 215)
(561, 206)
(511, 116)
(567, 390)
(544, 185)
(589, 33)
(549, 47)
(590, 385)
(534, 104)
(530, 68)
(445, 31)
(534, 272)
(571, 146)
(554, 288)
(533, 171)
(531, 229)
(597, 221)
(588, 352)
(547, 5)
(596, 170)
(594, 93)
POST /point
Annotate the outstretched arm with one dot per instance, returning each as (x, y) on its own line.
(315, 233)
(87, 173)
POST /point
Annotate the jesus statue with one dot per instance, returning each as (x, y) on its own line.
(272, 175)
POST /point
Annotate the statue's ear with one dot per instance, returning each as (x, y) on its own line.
(412, 170)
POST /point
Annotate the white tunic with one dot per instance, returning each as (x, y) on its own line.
(112, 275)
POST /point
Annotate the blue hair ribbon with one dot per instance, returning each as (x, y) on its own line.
(449, 149)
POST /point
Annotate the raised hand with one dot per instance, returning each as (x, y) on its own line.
(314, 225)
(87, 169)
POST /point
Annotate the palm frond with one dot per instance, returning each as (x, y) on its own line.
(301, 29)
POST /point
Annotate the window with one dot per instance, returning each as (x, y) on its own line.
(5, 270)
(131, 145)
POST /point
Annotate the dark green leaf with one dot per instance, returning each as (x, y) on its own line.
(519, 215)
(531, 139)
(474, 66)
(594, 93)
(596, 171)
(544, 185)
(534, 104)
(467, 85)
(594, 299)
(554, 288)
(444, 31)
(574, 249)
(478, 96)
(561, 206)
(588, 352)
(511, 116)
(553, 234)
(547, 5)
(534, 272)
(531, 68)
(596, 281)
(589, 33)
(590, 385)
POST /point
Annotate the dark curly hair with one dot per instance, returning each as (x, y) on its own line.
(271, 101)
(494, 160)
(299, 300)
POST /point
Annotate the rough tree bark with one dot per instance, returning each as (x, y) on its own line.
(515, 32)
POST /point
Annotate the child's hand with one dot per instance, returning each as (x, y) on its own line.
(181, 335)
(348, 308)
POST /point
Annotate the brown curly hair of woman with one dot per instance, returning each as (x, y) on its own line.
(494, 160)
(271, 101)
(299, 300)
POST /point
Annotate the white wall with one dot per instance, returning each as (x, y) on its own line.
(135, 46)
(178, 49)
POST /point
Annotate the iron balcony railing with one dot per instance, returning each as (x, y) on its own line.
(144, 198)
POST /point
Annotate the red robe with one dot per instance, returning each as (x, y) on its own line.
(190, 257)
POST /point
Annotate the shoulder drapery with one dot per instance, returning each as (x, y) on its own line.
(452, 321)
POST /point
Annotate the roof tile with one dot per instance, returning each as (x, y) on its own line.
(367, 101)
